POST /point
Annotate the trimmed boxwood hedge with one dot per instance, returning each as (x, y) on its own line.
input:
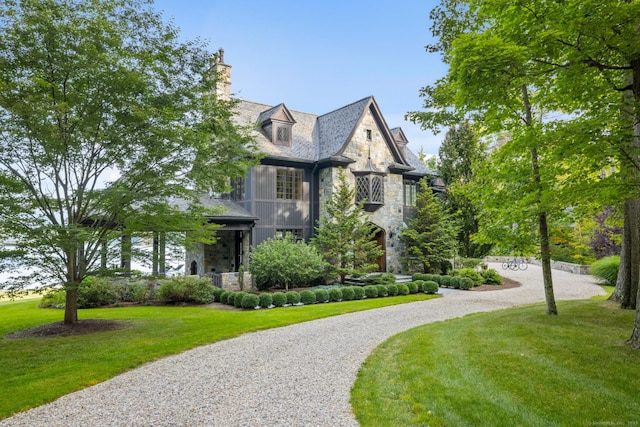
(293, 297)
(358, 292)
(413, 287)
(403, 289)
(382, 290)
(321, 295)
(265, 299)
(430, 287)
(307, 297)
(335, 294)
(279, 299)
(371, 291)
(237, 299)
(392, 290)
(250, 301)
(466, 283)
(348, 294)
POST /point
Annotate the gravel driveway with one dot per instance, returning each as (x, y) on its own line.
(298, 375)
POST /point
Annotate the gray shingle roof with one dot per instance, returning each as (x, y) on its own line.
(315, 137)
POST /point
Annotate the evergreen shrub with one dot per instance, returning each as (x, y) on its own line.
(444, 281)
(370, 291)
(491, 277)
(293, 297)
(224, 297)
(382, 290)
(358, 292)
(347, 293)
(54, 298)
(217, 293)
(250, 301)
(307, 297)
(237, 299)
(130, 291)
(403, 289)
(466, 283)
(265, 299)
(335, 294)
(96, 292)
(454, 282)
(419, 285)
(471, 274)
(278, 299)
(184, 289)
(413, 287)
(430, 287)
(322, 295)
(392, 290)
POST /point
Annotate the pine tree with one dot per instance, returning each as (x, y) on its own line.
(431, 235)
(344, 236)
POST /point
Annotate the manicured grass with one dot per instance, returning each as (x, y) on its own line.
(511, 367)
(38, 370)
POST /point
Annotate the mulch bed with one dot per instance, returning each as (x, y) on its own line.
(59, 329)
(506, 284)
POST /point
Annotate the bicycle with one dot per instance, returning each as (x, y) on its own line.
(515, 264)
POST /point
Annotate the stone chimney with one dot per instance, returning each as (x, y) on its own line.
(223, 75)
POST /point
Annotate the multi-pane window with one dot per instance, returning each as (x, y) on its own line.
(289, 184)
(293, 233)
(237, 192)
(410, 188)
(283, 135)
(370, 188)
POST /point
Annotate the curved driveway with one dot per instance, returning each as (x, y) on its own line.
(299, 375)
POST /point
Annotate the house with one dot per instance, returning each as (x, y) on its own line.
(286, 192)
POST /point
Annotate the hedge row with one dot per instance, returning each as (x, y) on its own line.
(321, 295)
(465, 278)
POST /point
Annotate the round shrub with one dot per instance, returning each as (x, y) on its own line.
(370, 291)
(392, 290)
(419, 285)
(237, 300)
(358, 292)
(606, 269)
(444, 281)
(293, 297)
(491, 277)
(279, 299)
(420, 276)
(224, 297)
(430, 287)
(322, 295)
(403, 289)
(217, 293)
(132, 291)
(250, 301)
(466, 283)
(347, 294)
(454, 282)
(335, 294)
(382, 290)
(413, 288)
(265, 299)
(307, 297)
(96, 292)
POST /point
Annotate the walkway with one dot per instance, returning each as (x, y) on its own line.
(299, 375)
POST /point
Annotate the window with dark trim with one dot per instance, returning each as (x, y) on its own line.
(370, 189)
(282, 134)
(293, 233)
(289, 184)
(410, 188)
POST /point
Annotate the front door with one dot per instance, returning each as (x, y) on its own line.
(382, 242)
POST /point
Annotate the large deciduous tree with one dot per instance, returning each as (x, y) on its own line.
(460, 151)
(106, 119)
(344, 236)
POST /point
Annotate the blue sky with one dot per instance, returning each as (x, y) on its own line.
(316, 56)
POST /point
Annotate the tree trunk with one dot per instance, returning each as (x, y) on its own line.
(71, 305)
(622, 281)
(634, 340)
(632, 255)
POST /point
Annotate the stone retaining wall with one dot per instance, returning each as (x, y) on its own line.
(556, 265)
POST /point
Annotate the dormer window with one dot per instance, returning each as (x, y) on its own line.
(282, 134)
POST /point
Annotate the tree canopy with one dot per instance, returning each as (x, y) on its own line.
(108, 120)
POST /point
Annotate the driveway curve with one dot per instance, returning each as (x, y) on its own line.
(299, 375)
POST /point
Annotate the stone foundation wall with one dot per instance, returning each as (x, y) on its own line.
(231, 281)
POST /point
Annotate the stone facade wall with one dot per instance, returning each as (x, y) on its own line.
(389, 217)
(231, 281)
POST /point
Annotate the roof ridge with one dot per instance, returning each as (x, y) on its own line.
(346, 106)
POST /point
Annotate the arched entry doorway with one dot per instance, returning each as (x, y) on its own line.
(381, 240)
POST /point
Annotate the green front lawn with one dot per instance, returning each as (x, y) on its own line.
(35, 371)
(515, 367)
